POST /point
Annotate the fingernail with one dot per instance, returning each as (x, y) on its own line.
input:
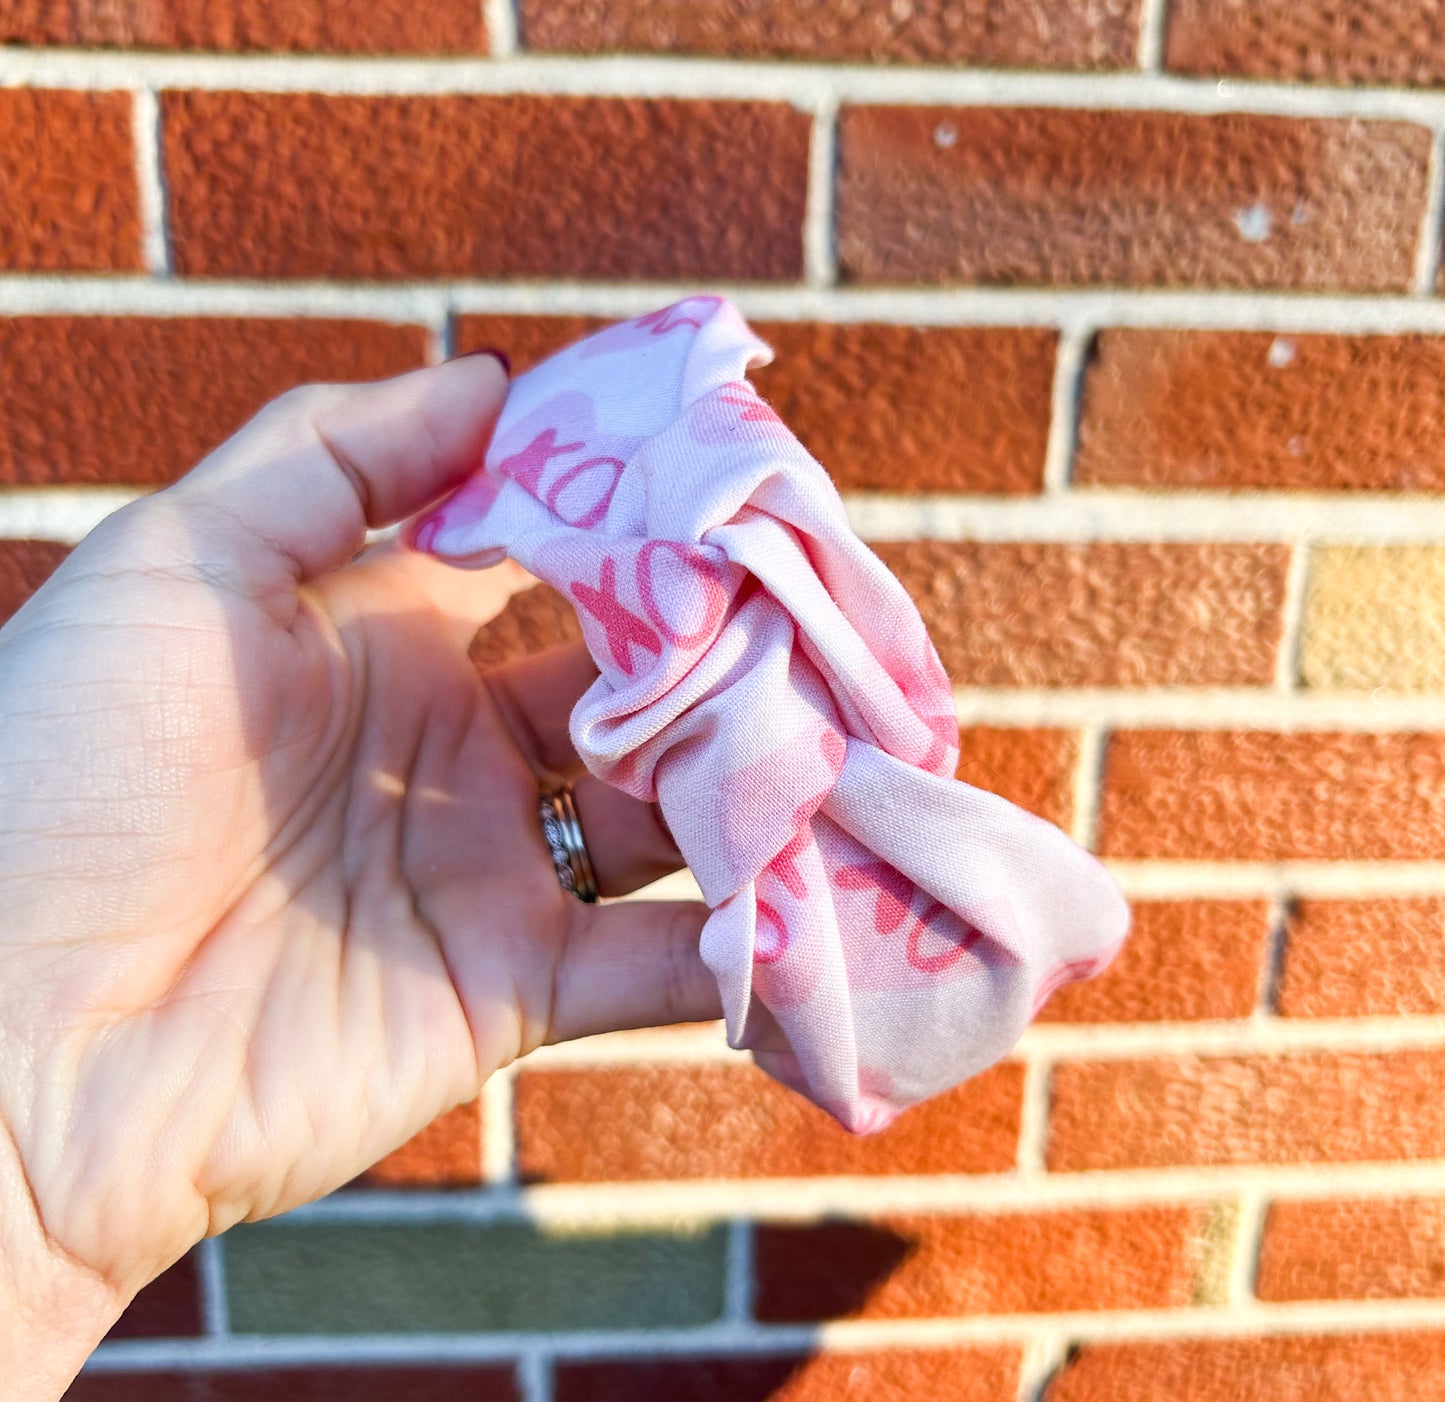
(499, 355)
(423, 532)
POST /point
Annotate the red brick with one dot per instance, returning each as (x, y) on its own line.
(1184, 961)
(305, 185)
(1046, 195)
(1398, 44)
(718, 1121)
(1032, 768)
(1255, 409)
(68, 198)
(1353, 1250)
(24, 566)
(884, 408)
(1322, 1108)
(168, 1308)
(1009, 1263)
(1394, 1367)
(138, 400)
(1267, 796)
(446, 1154)
(531, 622)
(991, 33)
(240, 26)
(1362, 958)
(1110, 614)
(981, 1374)
(377, 1382)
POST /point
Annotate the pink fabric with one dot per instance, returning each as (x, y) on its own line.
(769, 683)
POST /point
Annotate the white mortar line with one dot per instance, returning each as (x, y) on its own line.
(1292, 620)
(1043, 1355)
(63, 514)
(1066, 308)
(1034, 1117)
(1088, 785)
(151, 181)
(1153, 23)
(534, 1376)
(500, 17)
(1244, 1262)
(1202, 708)
(820, 253)
(738, 1282)
(1331, 1317)
(1432, 222)
(1272, 966)
(1067, 396)
(1345, 880)
(670, 75)
(215, 1305)
(498, 1137)
(699, 1203)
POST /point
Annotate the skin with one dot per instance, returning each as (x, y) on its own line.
(273, 887)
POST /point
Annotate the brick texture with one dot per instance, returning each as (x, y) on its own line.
(168, 1308)
(24, 566)
(660, 1122)
(446, 1154)
(906, 1375)
(1319, 1108)
(531, 622)
(1184, 961)
(376, 1382)
(1006, 614)
(1256, 409)
(1353, 1250)
(1258, 796)
(286, 185)
(1032, 768)
(239, 26)
(1394, 1367)
(68, 199)
(1357, 42)
(1375, 617)
(1042, 195)
(1087, 34)
(139, 400)
(1014, 1262)
(1365, 958)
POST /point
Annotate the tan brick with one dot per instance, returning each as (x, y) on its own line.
(1375, 617)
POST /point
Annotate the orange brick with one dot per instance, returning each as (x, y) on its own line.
(1032, 768)
(531, 622)
(1353, 1250)
(446, 1154)
(1310, 39)
(1184, 961)
(1051, 196)
(980, 1374)
(1380, 958)
(1010, 614)
(1394, 1367)
(24, 566)
(1257, 796)
(994, 33)
(68, 198)
(139, 400)
(1321, 1108)
(1009, 1263)
(883, 408)
(239, 26)
(1255, 409)
(658, 1122)
(306, 185)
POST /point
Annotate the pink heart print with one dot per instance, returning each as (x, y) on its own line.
(767, 681)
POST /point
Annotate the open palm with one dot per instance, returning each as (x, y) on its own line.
(273, 887)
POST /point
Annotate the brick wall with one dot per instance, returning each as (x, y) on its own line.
(1119, 323)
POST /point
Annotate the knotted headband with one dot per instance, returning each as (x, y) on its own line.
(767, 681)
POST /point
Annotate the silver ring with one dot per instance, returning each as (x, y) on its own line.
(563, 832)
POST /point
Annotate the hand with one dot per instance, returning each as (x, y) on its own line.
(273, 887)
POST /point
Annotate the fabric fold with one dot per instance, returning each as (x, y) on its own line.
(766, 680)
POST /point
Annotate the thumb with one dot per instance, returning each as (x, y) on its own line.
(315, 469)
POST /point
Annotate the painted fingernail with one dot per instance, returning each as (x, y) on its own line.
(499, 355)
(424, 531)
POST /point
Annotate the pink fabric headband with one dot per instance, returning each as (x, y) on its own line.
(769, 683)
